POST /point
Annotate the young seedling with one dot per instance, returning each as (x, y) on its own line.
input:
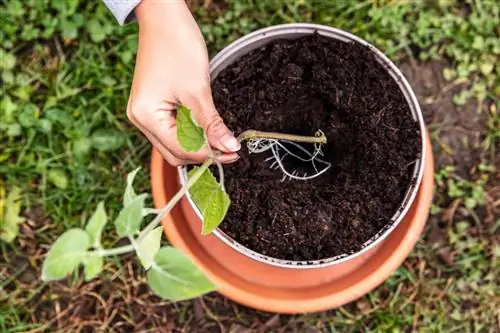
(170, 273)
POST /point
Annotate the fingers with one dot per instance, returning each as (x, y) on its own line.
(228, 158)
(170, 158)
(201, 104)
(182, 158)
(160, 128)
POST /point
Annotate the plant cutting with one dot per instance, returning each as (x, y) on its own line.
(170, 273)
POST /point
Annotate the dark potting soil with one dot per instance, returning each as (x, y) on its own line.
(299, 87)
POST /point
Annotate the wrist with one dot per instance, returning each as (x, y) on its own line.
(160, 13)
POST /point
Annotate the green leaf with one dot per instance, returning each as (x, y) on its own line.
(61, 117)
(462, 97)
(92, 267)
(175, 277)
(44, 126)
(81, 148)
(149, 247)
(10, 208)
(69, 28)
(486, 68)
(189, 134)
(13, 130)
(8, 108)
(129, 220)
(7, 77)
(129, 194)
(95, 225)
(8, 60)
(23, 79)
(449, 74)
(69, 251)
(478, 43)
(28, 115)
(105, 139)
(108, 81)
(210, 199)
(58, 177)
(95, 30)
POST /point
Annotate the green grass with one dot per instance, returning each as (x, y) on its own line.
(66, 69)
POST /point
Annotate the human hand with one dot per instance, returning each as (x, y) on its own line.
(171, 69)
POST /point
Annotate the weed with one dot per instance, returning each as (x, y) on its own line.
(470, 193)
(10, 208)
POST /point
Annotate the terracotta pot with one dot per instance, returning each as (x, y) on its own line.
(279, 287)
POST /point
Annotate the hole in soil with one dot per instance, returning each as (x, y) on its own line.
(300, 86)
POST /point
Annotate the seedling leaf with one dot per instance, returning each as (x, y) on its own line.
(58, 177)
(129, 219)
(210, 199)
(95, 225)
(175, 277)
(189, 134)
(92, 267)
(149, 247)
(69, 250)
(129, 194)
(10, 208)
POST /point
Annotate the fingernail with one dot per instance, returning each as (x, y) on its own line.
(234, 159)
(230, 143)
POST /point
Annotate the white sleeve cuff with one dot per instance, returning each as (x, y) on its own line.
(122, 9)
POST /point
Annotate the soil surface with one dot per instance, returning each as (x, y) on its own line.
(299, 87)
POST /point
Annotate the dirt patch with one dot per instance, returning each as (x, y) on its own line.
(457, 132)
(299, 87)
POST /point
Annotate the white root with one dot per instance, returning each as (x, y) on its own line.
(260, 145)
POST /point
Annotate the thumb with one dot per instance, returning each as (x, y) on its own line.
(219, 136)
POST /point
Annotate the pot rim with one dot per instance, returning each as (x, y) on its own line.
(261, 37)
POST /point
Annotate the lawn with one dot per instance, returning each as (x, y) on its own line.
(66, 145)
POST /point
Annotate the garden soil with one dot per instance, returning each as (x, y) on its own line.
(299, 87)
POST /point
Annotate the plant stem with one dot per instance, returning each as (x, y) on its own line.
(215, 154)
(165, 210)
(252, 134)
(113, 251)
(148, 211)
(221, 174)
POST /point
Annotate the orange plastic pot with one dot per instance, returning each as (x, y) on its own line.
(284, 290)
(272, 288)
